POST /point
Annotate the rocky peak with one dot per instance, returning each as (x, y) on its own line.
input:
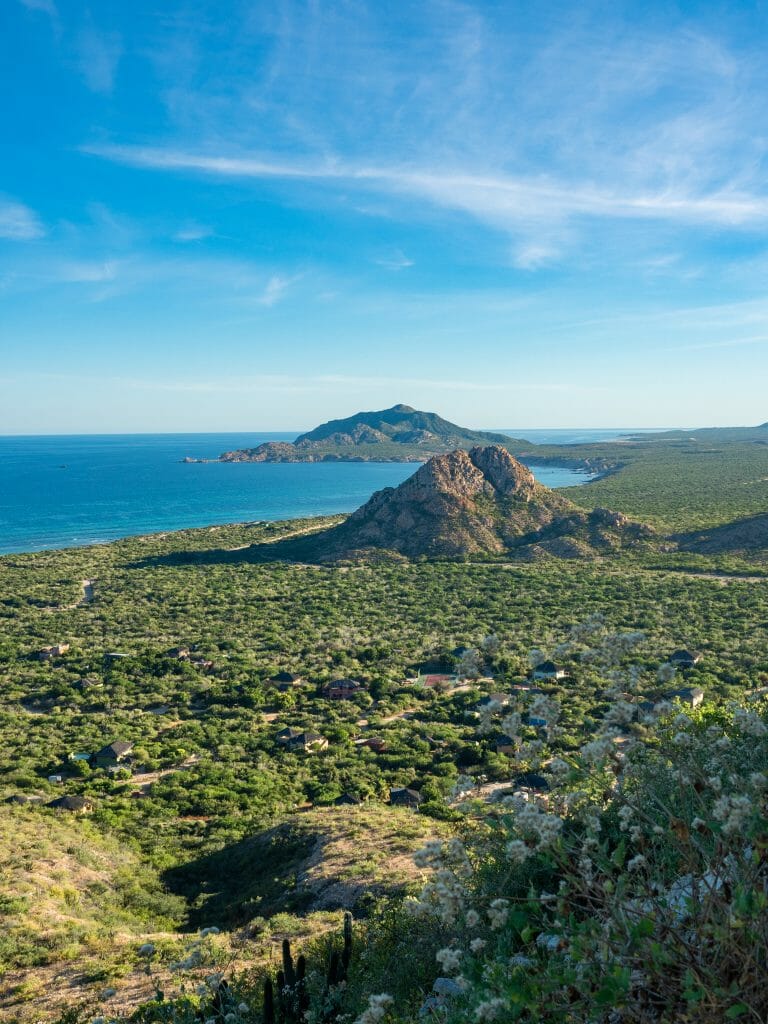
(477, 502)
(463, 475)
(503, 472)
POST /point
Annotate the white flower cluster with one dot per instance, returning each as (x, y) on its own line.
(620, 713)
(449, 959)
(446, 892)
(486, 716)
(376, 1010)
(732, 811)
(498, 912)
(490, 1009)
(596, 751)
(194, 956)
(749, 723)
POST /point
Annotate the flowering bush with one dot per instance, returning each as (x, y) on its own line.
(634, 889)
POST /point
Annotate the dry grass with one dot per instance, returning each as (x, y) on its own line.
(60, 886)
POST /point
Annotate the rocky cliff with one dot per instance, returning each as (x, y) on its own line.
(476, 502)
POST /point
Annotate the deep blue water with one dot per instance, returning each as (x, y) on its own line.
(66, 491)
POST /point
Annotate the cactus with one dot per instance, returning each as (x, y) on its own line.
(338, 964)
(269, 1002)
(292, 995)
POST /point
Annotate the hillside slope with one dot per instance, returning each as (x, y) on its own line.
(399, 434)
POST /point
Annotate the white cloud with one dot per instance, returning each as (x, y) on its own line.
(273, 290)
(18, 223)
(533, 255)
(250, 384)
(395, 260)
(192, 233)
(46, 6)
(503, 201)
(88, 273)
(98, 57)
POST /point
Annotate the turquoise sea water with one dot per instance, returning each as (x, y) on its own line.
(72, 490)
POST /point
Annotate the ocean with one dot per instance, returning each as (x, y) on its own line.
(66, 491)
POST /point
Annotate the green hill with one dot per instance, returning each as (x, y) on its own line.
(399, 434)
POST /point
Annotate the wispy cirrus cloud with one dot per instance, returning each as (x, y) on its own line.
(192, 233)
(17, 222)
(272, 382)
(503, 200)
(46, 6)
(98, 56)
(395, 260)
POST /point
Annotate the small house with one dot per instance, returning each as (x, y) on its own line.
(690, 695)
(342, 689)
(285, 736)
(283, 681)
(525, 688)
(685, 659)
(113, 754)
(299, 739)
(179, 653)
(505, 745)
(204, 664)
(347, 799)
(309, 742)
(73, 804)
(54, 651)
(401, 796)
(531, 782)
(55, 780)
(549, 670)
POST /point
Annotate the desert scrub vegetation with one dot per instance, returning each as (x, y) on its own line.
(628, 883)
(208, 777)
(635, 890)
(638, 893)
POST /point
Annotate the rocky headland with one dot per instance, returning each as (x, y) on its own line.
(399, 434)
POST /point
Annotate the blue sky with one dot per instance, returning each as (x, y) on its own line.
(251, 216)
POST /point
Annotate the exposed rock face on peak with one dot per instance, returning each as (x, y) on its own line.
(477, 502)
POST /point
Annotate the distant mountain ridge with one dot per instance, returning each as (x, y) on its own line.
(399, 434)
(401, 424)
(478, 502)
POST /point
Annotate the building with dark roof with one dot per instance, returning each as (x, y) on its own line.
(685, 659)
(402, 796)
(690, 695)
(342, 689)
(549, 670)
(113, 754)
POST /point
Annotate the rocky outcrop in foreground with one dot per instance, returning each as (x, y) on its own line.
(478, 502)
